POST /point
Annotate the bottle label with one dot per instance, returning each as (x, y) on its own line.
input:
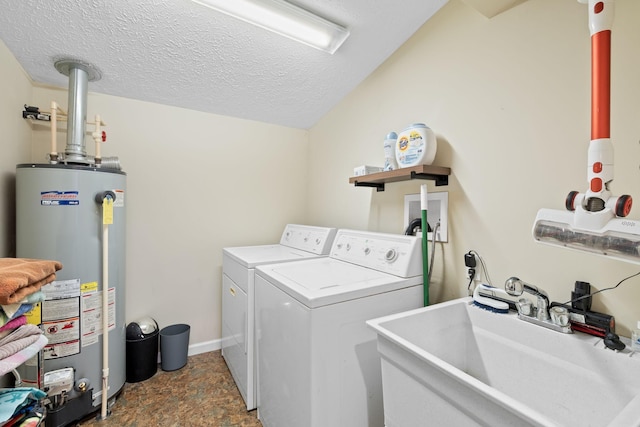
(410, 148)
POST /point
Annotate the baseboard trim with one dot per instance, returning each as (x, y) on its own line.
(204, 347)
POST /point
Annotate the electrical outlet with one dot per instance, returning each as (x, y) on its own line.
(437, 207)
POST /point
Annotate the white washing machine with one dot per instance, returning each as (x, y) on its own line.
(238, 263)
(318, 365)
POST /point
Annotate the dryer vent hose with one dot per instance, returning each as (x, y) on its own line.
(416, 223)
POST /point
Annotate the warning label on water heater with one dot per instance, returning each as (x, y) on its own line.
(72, 316)
(61, 318)
(92, 317)
(58, 198)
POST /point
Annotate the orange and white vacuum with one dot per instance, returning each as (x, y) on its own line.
(595, 221)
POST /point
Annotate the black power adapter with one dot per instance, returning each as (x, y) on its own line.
(470, 262)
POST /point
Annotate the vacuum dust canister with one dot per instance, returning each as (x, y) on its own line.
(416, 145)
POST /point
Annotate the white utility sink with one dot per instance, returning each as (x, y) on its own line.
(455, 364)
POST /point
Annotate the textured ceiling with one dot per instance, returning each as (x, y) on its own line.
(180, 53)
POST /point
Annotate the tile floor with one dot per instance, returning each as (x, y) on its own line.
(200, 394)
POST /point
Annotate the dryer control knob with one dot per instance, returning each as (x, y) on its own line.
(391, 255)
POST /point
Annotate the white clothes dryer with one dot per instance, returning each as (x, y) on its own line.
(238, 265)
(318, 363)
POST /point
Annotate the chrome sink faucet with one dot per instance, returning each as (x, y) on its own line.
(516, 287)
(558, 322)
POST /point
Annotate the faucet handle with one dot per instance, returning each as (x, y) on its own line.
(524, 307)
(559, 315)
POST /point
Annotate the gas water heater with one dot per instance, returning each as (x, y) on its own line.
(61, 215)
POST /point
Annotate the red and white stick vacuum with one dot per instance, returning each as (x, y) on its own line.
(594, 220)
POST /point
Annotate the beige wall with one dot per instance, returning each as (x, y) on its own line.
(196, 183)
(509, 98)
(15, 90)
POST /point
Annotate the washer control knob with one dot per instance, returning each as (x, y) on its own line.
(367, 250)
(348, 247)
(391, 255)
(318, 241)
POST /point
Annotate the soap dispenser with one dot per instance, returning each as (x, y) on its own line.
(635, 338)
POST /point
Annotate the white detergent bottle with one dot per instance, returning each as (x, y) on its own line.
(416, 145)
(390, 151)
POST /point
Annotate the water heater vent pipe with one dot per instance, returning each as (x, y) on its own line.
(79, 73)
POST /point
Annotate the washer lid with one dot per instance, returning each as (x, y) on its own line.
(252, 256)
(323, 281)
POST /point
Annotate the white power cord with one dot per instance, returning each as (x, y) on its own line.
(433, 249)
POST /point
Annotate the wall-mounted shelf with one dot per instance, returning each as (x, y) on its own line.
(439, 174)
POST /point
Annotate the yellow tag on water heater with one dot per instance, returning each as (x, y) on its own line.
(107, 211)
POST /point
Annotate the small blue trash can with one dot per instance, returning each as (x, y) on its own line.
(174, 346)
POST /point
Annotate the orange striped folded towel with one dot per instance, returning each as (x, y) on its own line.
(20, 277)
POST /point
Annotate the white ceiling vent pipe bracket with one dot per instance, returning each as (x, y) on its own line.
(79, 73)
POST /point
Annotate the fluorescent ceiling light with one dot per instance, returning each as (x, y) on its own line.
(285, 19)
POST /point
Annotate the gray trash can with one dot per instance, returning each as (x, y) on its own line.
(174, 346)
